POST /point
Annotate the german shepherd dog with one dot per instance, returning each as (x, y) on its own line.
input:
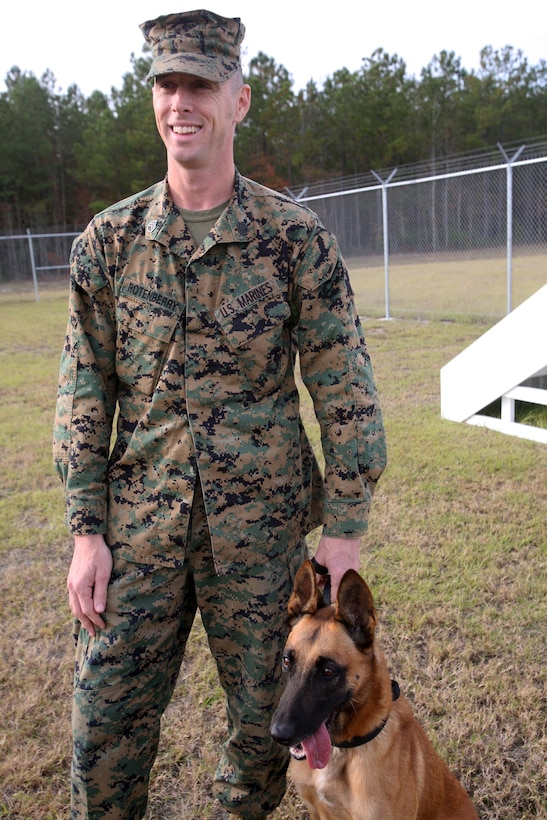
(358, 752)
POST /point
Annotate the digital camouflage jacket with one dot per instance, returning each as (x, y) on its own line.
(190, 355)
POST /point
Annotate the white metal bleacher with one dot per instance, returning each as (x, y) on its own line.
(495, 366)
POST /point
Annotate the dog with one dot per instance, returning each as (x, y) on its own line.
(358, 752)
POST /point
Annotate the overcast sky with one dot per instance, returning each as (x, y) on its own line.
(91, 45)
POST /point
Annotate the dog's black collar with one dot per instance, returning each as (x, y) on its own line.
(360, 740)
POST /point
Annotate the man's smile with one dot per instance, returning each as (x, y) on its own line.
(185, 129)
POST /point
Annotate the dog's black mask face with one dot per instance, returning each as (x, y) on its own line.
(317, 682)
(312, 695)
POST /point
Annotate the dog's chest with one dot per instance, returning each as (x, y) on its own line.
(327, 790)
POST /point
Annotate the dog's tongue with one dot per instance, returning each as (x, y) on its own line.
(318, 748)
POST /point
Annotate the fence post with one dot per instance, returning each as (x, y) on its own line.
(385, 229)
(33, 264)
(509, 171)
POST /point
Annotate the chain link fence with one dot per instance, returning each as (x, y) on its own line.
(465, 238)
(34, 260)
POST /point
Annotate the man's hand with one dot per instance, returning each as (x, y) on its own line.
(338, 555)
(88, 579)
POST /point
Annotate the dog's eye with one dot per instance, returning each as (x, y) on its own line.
(286, 661)
(329, 672)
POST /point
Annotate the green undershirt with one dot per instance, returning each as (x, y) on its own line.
(199, 223)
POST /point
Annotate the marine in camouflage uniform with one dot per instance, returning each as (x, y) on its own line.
(211, 486)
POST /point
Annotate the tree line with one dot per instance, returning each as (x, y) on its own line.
(64, 156)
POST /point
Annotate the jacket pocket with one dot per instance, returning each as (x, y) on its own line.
(255, 324)
(144, 332)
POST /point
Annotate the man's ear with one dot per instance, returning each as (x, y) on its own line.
(243, 103)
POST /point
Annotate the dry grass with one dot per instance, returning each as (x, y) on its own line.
(448, 286)
(455, 557)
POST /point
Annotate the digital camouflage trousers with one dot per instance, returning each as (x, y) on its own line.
(125, 677)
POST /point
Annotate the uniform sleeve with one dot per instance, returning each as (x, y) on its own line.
(86, 398)
(337, 371)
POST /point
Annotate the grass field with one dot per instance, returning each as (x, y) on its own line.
(448, 287)
(455, 557)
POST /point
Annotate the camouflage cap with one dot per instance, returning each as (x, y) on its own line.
(194, 42)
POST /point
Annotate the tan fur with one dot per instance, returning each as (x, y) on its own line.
(397, 775)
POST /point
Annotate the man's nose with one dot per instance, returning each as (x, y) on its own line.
(182, 100)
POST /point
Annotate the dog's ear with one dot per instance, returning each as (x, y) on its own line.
(306, 597)
(355, 609)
